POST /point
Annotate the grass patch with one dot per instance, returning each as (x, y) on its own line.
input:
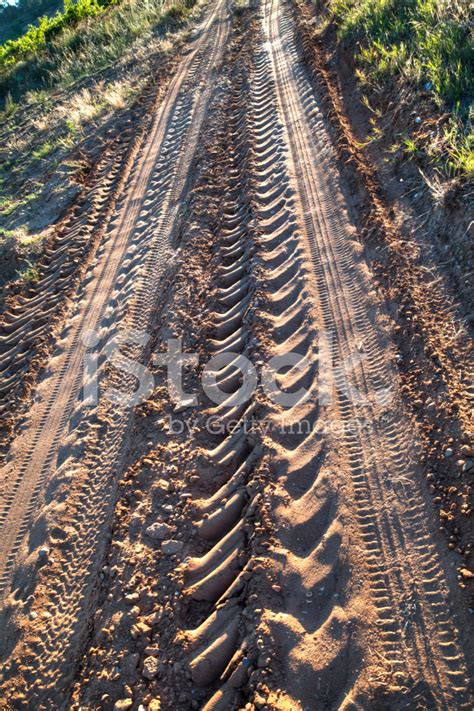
(16, 18)
(44, 150)
(9, 205)
(29, 274)
(428, 45)
(88, 36)
(428, 41)
(38, 36)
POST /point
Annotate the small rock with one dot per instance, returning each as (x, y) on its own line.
(136, 522)
(159, 531)
(43, 553)
(155, 618)
(130, 663)
(140, 629)
(152, 651)
(150, 668)
(122, 704)
(448, 452)
(171, 546)
(467, 466)
(132, 598)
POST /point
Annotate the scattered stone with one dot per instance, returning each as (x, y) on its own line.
(130, 663)
(140, 629)
(468, 465)
(158, 531)
(152, 651)
(136, 522)
(448, 452)
(171, 546)
(132, 598)
(43, 553)
(150, 668)
(123, 704)
(155, 618)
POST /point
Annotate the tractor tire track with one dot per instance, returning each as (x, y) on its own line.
(391, 514)
(126, 282)
(132, 223)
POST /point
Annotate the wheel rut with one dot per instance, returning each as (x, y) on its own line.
(382, 461)
(272, 548)
(133, 230)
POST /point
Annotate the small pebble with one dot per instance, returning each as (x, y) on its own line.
(123, 704)
(171, 546)
(158, 531)
(150, 668)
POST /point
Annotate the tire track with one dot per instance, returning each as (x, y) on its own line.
(392, 517)
(204, 630)
(143, 225)
(175, 128)
(306, 511)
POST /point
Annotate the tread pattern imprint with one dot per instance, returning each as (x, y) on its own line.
(244, 554)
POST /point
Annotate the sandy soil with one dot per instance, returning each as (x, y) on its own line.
(288, 556)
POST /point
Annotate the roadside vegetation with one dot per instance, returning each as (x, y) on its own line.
(16, 17)
(425, 46)
(62, 83)
(85, 37)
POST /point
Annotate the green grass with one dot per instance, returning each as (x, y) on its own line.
(44, 150)
(16, 18)
(38, 36)
(426, 40)
(9, 205)
(426, 43)
(88, 36)
(29, 274)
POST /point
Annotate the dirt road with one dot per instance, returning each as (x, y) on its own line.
(287, 556)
